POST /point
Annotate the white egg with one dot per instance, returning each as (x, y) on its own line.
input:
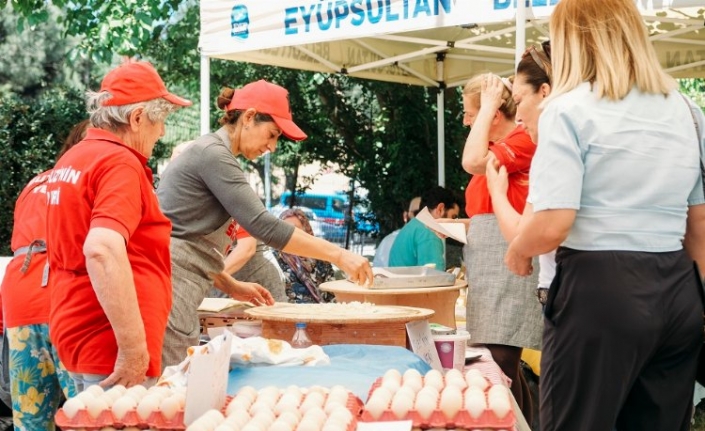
(411, 373)
(294, 390)
(291, 417)
(72, 406)
(342, 415)
(401, 404)
(315, 414)
(118, 388)
(474, 402)
(433, 376)
(196, 426)
(109, 398)
(86, 396)
(123, 405)
(455, 378)
(238, 403)
(498, 400)
(407, 391)
(278, 425)
(392, 374)
(320, 389)
(268, 399)
(225, 427)
(285, 404)
(271, 391)
(308, 425)
(474, 378)
(180, 397)
(137, 392)
(338, 391)
(147, 405)
(95, 390)
(392, 385)
(414, 381)
(263, 417)
(258, 406)
(425, 405)
(451, 401)
(238, 419)
(335, 424)
(247, 391)
(169, 407)
(291, 397)
(429, 391)
(314, 399)
(96, 406)
(333, 405)
(253, 427)
(262, 421)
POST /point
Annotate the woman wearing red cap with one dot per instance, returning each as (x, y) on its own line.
(107, 240)
(204, 189)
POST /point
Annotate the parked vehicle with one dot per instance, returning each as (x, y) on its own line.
(331, 209)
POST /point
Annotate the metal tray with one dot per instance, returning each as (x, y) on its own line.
(409, 277)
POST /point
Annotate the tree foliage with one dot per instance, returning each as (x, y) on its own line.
(382, 135)
(31, 132)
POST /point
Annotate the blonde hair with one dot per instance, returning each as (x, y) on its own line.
(473, 88)
(604, 42)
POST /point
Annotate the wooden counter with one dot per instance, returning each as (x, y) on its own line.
(439, 299)
(382, 325)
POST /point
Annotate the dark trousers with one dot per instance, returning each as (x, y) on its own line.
(622, 334)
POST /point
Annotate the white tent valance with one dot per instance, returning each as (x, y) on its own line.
(435, 43)
(401, 40)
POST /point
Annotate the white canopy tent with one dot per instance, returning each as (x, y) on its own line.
(435, 43)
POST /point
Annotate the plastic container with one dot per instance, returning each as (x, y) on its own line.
(301, 340)
(451, 349)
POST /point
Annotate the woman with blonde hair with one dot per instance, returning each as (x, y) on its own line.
(616, 186)
(502, 313)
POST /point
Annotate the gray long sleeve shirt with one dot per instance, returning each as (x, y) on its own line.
(205, 186)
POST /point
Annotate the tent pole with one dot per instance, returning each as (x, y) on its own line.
(205, 94)
(440, 119)
(520, 32)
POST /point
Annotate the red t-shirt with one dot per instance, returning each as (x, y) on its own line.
(102, 183)
(515, 153)
(26, 300)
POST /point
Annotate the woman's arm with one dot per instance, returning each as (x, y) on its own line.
(498, 184)
(355, 266)
(240, 254)
(694, 242)
(542, 232)
(475, 152)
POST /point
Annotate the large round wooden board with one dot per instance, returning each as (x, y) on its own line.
(334, 313)
(345, 286)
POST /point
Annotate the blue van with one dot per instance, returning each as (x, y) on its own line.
(329, 208)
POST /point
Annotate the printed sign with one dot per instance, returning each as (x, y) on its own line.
(422, 343)
(208, 381)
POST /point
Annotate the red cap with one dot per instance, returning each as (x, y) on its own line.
(270, 99)
(134, 82)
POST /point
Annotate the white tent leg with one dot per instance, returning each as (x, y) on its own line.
(520, 32)
(205, 94)
(440, 118)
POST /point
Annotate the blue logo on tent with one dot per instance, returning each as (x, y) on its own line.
(240, 22)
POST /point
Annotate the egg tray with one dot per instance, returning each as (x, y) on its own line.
(438, 419)
(155, 421)
(354, 405)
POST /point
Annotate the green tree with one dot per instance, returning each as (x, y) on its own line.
(31, 132)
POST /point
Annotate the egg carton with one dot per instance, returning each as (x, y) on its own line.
(354, 404)
(438, 419)
(155, 421)
(461, 421)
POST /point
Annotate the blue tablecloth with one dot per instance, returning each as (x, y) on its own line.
(354, 366)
